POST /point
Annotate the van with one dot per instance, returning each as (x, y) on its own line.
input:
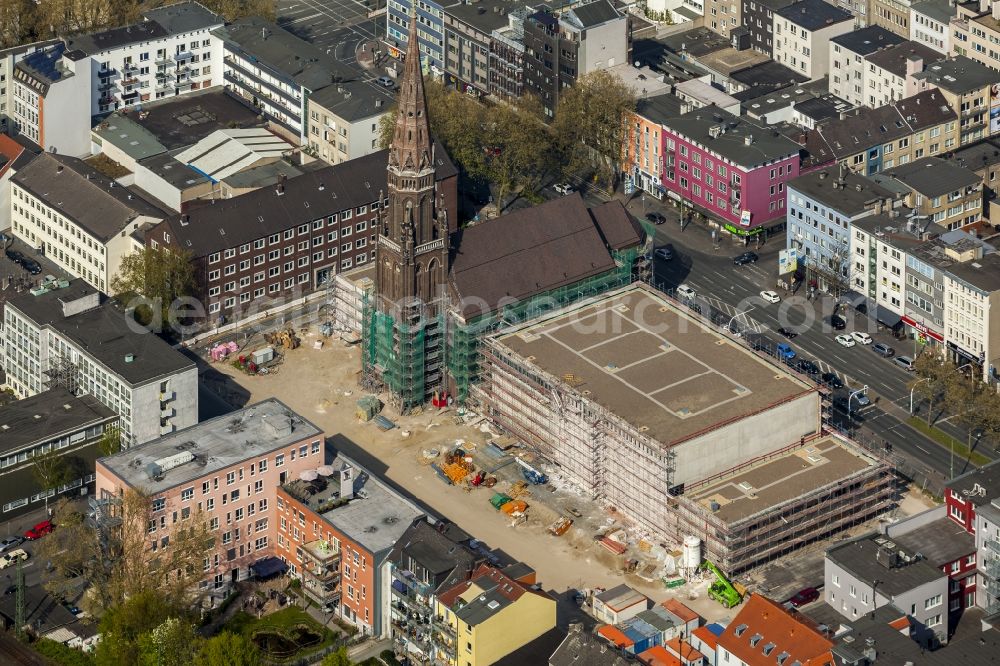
(684, 292)
(904, 362)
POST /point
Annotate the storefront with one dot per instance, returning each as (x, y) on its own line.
(921, 333)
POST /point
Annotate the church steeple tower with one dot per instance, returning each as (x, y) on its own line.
(412, 252)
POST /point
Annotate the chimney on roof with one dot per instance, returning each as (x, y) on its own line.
(914, 65)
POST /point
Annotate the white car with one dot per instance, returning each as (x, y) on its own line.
(11, 558)
(563, 188)
(845, 340)
(770, 296)
(861, 338)
(684, 292)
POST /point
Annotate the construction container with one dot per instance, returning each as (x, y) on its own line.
(499, 499)
(262, 356)
(368, 407)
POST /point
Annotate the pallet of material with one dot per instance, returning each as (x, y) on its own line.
(514, 506)
(437, 470)
(613, 546)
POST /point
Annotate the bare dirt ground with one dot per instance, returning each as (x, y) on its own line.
(322, 385)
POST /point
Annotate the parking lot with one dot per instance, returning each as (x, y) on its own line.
(338, 27)
(15, 279)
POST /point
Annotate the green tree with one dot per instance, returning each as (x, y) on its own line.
(111, 441)
(50, 470)
(173, 643)
(933, 374)
(233, 10)
(337, 658)
(17, 22)
(518, 146)
(228, 649)
(974, 404)
(123, 626)
(592, 124)
(160, 276)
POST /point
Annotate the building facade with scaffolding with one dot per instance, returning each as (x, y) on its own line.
(644, 407)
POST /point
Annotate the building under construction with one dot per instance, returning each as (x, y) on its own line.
(648, 409)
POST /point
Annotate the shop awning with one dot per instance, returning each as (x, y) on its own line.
(887, 317)
(267, 567)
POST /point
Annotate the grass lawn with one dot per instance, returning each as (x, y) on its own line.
(946, 440)
(281, 621)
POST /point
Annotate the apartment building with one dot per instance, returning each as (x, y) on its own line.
(975, 28)
(491, 615)
(227, 470)
(967, 87)
(758, 19)
(942, 191)
(723, 16)
(802, 32)
(75, 337)
(80, 219)
(469, 36)
(53, 420)
(883, 74)
(276, 72)
(430, 31)
(305, 230)
(930, 24)
(344, 120)
(822, 207)
(644, 150)
(8, 58)
(893, 15)
(926, 264)
(871, 571)
(848, 64)
(730, 168)
(168, 52)
(869, 141)
(336, 527)
(972, 313)
(766, 632)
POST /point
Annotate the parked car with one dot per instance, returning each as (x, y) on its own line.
(563, 188)
(10, 542)
(883, 350)
(39, 530)
(15, 256)
(745, 258)
(837, 322)
(845, 340)
(787, 332)
(832, 380)
(904, 362)
(770, 296)
(861, 337)
(32, 266)
(807, 367)
(666, 252)
(804, 596)
(72, 608)
(656, 218)
(11, 558)
(386, 81)
(685, 292)
(785, 351)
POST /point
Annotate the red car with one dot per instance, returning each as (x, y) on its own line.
(804, 597)
(39, 530)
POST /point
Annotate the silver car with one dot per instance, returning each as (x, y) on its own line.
(10, 542)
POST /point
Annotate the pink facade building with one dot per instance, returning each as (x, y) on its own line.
(229, 468)
(728, 168)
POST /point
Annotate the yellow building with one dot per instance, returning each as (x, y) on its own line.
(489, 616)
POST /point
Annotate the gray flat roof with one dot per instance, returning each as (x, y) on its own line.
(938, 10)
(765, 144)
(156, 23)
(47, 415)
(982, 273)
(942, 541)
(894, 58)
(867, 40)
(958, 75)
(851, 199)
(869, 561)
(659, 108)
(377, 516)
(105, 333)
(814, 14)
(934, 176)
(484, 17)
(986, 477)
(215, 444)
(653, 364)
(779, 480)
(354, 100)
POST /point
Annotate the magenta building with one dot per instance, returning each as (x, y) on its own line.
(728, 168)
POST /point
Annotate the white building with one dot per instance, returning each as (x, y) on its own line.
(930, 25)
(75, 337)
(972, 312)
(84, 222)
(168, 52)
(885, 72)
(9, 58)
(879, 245)
(802, 32)
(848, 63)
(344, 120)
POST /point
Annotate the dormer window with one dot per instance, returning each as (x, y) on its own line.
(756, 638)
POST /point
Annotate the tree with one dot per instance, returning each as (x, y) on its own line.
(228, 649)
(173, 643)
(116, 558)
(232, 10)
(932, 377)
(123, 627)
(518, 146)
(338, 658)
(111, 441)
(50, 470)
(592, 124)
(17, 22)
(160, 275)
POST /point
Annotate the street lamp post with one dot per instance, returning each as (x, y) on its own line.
(951, 449)
(738, 314)
(863, 389)
(913, 388)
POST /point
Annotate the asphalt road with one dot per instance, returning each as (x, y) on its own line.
(712, 272)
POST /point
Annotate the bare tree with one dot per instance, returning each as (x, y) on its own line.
(933, 374)
(50, 470)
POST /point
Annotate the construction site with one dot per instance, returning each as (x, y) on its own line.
(651, 411)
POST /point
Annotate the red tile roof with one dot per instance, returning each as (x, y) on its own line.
(658, 656)
(684, 650)
(680, 610)
(763, 624)
(615, 636)
(486, 577)
(706, 635)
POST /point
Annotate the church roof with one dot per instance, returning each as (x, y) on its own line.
(533, 250)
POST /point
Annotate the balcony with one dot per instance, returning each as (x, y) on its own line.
(167, 396)
(183, 55)
(164, 61)
(168, 413)
(166, 429)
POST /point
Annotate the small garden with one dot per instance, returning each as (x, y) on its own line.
(284, 634)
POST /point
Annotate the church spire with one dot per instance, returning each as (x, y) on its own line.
(411, 140)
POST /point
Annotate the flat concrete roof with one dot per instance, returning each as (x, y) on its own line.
(780, 479)
(654, 365)
(215, 444)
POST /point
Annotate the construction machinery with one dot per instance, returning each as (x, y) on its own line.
(284, 338)
(722, 590)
